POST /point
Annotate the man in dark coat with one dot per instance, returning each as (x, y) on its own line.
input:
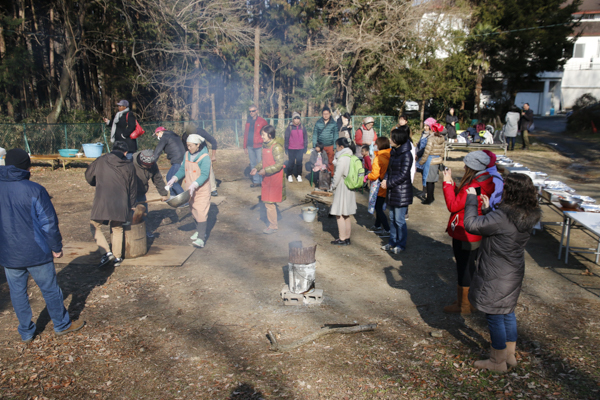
(174, 147)
(398, 183)
(30, 240)
(191, 129)
(116, 192)
(525, 124)
(253, 143)
(122, 126)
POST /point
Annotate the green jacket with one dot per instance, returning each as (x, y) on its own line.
(326, 134)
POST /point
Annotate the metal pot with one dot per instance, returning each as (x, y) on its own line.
(180, 199)
(569, 202)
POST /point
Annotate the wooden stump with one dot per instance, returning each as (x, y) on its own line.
(301, 255)
(135, 240)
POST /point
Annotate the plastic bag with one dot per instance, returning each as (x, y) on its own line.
(373, 195)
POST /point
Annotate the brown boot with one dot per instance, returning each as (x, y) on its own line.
(461, 305)
(511, 360)
(496, 362)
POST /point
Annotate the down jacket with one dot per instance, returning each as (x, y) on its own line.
(28, 223)
(498, 277)
(171, 143)
(398, 176)
(435, 147)
(325, 133)
(456, 205)
(116, 188)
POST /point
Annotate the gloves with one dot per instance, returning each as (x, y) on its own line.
(193, 188)
(171, 182)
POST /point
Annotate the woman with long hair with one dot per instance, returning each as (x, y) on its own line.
(430, 161)
(497, 281)
(344, 199)
(451, 121)
(464, 244)
(378, 171)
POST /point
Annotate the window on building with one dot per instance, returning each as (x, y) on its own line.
(579, 50)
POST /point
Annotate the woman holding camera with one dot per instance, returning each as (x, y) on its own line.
(464, 244)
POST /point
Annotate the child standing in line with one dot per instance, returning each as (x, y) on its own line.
(366, 159)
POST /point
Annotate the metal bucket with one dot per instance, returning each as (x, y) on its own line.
(301, 277)
(180, 199)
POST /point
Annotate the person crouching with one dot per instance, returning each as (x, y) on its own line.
(196, 170)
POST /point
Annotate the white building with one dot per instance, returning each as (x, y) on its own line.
(581, 73)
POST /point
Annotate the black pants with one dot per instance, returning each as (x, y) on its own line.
(465, 262)
(295, 163)
(380, 217)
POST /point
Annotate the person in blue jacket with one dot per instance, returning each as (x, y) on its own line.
(30, 240)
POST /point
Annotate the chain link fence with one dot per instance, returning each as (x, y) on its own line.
(44, 139)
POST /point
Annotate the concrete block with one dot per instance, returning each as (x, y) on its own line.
(291, 299)
(315, 297)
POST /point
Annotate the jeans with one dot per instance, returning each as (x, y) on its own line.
(176, 189)
(255, 156)
(510, 142)
(398, 229)
(45, 277)
(295, 163)
(503, 328)
(465, 262)
(380, 217)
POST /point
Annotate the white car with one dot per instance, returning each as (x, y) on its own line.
(411, 106)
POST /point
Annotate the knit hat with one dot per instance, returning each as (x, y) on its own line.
(492, 158)
(146, 158)
(477, 160)
(123, 103)
(368, 120)
(430, 121)
(159, 129)
(191, 128)
(195, 138)
(437, 127)
(295, 115)
(19, 158)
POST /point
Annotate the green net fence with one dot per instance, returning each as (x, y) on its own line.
(45, 139)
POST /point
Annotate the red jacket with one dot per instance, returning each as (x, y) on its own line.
(258, 125)
(456, 206)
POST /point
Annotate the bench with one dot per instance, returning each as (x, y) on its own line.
(55, 159)
(473, 146)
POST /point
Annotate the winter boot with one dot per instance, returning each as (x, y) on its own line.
(430, 188)
(496, 362)
(511, 360)
(462, 305)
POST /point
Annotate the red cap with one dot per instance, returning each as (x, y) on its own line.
(492, 158)
(160, 129)
(437, 127)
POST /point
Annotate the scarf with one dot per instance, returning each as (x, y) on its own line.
(113, 129)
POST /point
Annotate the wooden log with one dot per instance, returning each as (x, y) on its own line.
(138, 214)
(320, 193)
(315, 335)
(135, 240)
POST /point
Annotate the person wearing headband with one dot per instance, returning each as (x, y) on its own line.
(196, 171)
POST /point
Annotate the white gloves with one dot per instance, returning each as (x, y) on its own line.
(171, 182)
(193, 188)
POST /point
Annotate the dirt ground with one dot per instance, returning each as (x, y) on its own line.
(199, 331)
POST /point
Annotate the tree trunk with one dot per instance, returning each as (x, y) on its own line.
(2, 42)
(349, 97)
(51, 55)
(478, 89)
(280, 112)
(271, 103)
(196, 91)
(311, 111)
(65, 85)
(422, 113)
(256, 65)
(214, 113)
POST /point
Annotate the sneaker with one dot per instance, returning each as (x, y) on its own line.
(28, 340)
(385, 247)
(290, 179)
(198, 243)
(269, 231)
(75, 326)
(374, 229)
(106, 259)
(299, 178)
(396, 250)
(383, 233)
(194, 236)
(214, 193)
(118, 262)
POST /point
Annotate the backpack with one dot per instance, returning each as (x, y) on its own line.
(356, 173)
(139, 131)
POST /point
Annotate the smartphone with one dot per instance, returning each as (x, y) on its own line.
(478, 191)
